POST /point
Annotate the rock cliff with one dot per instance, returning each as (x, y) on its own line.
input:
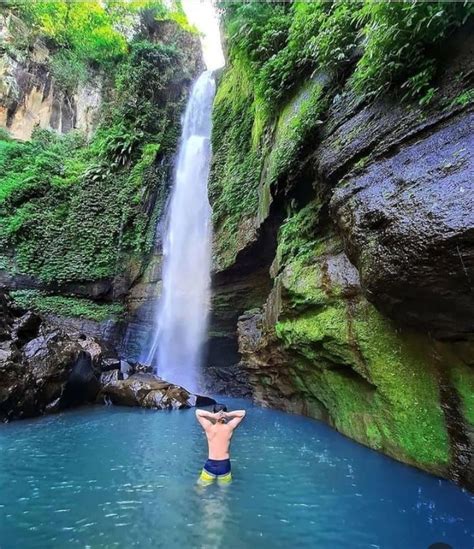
(87, 155)
(29, 95)
(355, 235)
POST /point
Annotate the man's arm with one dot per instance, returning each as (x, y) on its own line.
(204, 417)
(235, 418)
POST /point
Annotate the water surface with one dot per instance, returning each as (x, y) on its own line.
(122, 477)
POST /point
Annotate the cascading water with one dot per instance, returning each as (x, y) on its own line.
(181, 316)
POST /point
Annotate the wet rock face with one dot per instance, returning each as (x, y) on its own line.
(229, 379)
(235, 290)
(29, 96)
(408, 225)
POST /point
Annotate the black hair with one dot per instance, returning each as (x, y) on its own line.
(219, 408)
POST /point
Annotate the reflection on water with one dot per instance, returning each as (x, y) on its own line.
(118, 477)
(215, 514)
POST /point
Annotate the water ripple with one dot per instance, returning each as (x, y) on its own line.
(111, 477)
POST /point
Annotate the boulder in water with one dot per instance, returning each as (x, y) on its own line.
(49, 374)
(43, 369)
(110, 377)
(147, 391)
(82, 384)
(204, 401)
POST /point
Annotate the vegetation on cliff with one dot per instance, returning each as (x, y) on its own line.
(66, 306)
(307, 83)
(85, 34)
(73, 210)
(328, 48)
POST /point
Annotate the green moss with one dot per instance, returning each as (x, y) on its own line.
(407, 385)
(296, 125)
(237, 161)
(307, 285)
(303, 252)
(378, 386)
(245, 166)
(297, 234)
(462, 377)
(321, 335)
(304, 285)
(67, 306)
(77, 211)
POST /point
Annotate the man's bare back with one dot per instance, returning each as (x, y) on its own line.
(218, 437)
(219, 428)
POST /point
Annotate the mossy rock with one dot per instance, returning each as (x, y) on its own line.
(67, 306)
(379, 387)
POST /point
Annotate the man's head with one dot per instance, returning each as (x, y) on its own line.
(220, 409)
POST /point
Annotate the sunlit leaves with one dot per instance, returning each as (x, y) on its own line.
(395, 43)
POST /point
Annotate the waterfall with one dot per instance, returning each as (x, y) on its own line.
(180, 323)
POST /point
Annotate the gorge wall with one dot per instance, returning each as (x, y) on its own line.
(30, 96)
(342, 200)
(91, 119)
(344, 227)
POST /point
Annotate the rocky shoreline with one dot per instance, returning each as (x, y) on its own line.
(45, 370)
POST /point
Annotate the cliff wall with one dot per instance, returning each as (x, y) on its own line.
(349, 215)
(86, 157)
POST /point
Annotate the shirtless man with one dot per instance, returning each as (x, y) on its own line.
(219, 428)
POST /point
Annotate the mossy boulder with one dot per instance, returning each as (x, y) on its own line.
(354, 157)
(320, 348)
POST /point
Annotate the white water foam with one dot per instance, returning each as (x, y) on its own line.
(181, 315)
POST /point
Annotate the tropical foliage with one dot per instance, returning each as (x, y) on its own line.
(77, 210)
(391, 43)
